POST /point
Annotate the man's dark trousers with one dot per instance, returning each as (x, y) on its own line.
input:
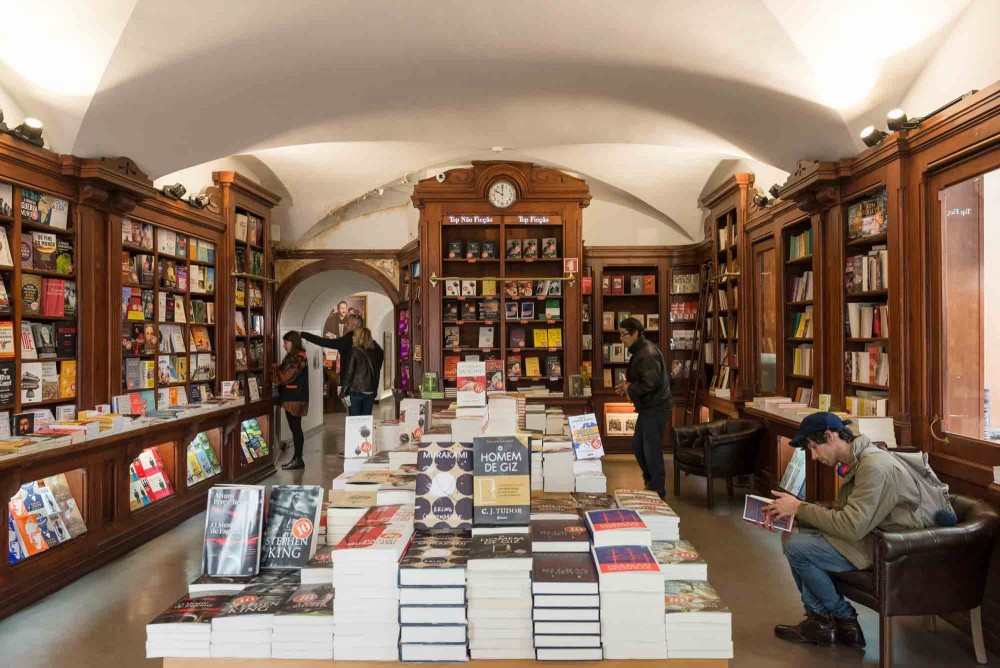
(646, 444)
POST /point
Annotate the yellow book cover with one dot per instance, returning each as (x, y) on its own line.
(489, 287)
(182, 368)
(67, 379)
(194, 467)
(149, 373)
(531, 367)
(555, 338)
(541, 339)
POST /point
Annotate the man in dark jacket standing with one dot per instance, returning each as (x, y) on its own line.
(647, 385)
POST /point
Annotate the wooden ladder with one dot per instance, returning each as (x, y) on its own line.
(696, 372)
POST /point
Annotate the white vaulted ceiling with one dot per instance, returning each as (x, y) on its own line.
(643, 98)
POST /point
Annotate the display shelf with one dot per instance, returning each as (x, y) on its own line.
(251, 272)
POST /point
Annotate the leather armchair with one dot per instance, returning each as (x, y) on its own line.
(932, 571)
(717, 449)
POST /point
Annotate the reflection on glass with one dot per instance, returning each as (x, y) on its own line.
(767, 321)
(970, 230)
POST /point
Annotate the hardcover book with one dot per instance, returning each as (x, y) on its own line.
(444, 486)
(502, 494)
(233, 528)
(562, 573)
(560, 536)
(293, 516)
(436, 559)
(472, 250)
(454, 250)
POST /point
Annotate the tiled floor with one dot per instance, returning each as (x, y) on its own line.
(100, 620)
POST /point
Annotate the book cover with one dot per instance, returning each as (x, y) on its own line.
(194, 609)
(6, 256)
(471, 384)
(541, 338)
(358, 430)
(54, 297)
(549, 247)
(444, 486)
(64, 255)
(691, 596)
(675, 552)
(6, 384)
(617, 284)
(560, 531)
(293, 515)
(625, 559)
(452, 287)
(502, 494)
(454, 250)
(514, 369)
(527, 310)
(514, 249)
(26, 253)
(517, 337)
(553, 367)
(562, 567)
(586, 436)
(472, 250)
(469, 310)
(438, 551)
(6, 340)
(510, 311)
(31, 294)
(635, 285)
(489, 250)
(555, 337)
(501, 546)
(43, 249)
(309, 600)
(618, 518)
(531, 367)
(468, 288)
(531, 249)
(649, 284)
(28, 350)
(608, 321)
(233, 526)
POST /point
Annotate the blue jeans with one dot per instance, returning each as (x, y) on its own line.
(812, 559)
(361, 403)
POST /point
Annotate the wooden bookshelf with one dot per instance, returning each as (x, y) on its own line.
(42, 306)
(168, 311)
(799, 320)
(409, 323)
(682, 322)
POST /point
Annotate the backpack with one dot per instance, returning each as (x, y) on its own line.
(934, 507)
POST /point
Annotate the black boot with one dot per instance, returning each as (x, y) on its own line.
(816, 629)
(849, 631)
(294, 465)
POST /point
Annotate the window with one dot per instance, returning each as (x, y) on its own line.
(970, 309)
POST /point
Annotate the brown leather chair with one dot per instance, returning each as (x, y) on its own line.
(928, 572)
(717, 449)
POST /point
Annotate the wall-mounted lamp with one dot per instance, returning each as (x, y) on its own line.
(774, 190)
(199, 201)
(30, 131)
(760, 200)
(872, 136)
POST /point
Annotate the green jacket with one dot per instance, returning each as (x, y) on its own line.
(876, 493)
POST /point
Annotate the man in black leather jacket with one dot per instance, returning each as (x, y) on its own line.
(647, 385)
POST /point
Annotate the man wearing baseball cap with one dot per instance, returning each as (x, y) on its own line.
(876, 492)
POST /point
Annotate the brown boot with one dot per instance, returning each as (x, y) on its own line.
(849, 631)
(815, 629)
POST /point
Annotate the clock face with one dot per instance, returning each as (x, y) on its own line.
(502, 194)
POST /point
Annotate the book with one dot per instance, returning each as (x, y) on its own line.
(472, 250)
(531, 367)
(358, 432)
(510, 311)
(753, 511)
(290, 528)
(500, 552)
(585, 434)
(531, 248)
(502, 495)
(43, 250)
(562, 572)
(5, 306)
(444, 486)
(43, 335)
(6, 257)
(635, 285)
(471, 385)
(514, 369)
(560, 536)
(489, 250)
(64, 256)
(28, 350)
(617, 527)
(6, 384)
(468, 288)
(454, 250)
(233, 528)
(626, 567)
(26, 254)
(541, 338)
(527, 310)
(679, 560)
(31, 294)
(514, 249)
(555, 337)
(550, 247)
(436, 560)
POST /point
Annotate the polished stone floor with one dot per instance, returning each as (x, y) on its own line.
(100, 620)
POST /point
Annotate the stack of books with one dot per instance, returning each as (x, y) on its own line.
(679, 560)
(565, 598)
(366, 579)
(663, 522)
(433, 626)
(629, 580)
(185, 628)
(242, 629)
(537, 469)
(499, 596)
(557, 466)
(534, 418)
(319, 569)
(589, 476)
(403, 456)
(343, 511)
(303, 625)
(698, 625)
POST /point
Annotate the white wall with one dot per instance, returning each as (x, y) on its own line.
(12, 112)
(968, 59)
(390, 228)
(307, 309)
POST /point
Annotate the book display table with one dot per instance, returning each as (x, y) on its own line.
(298, 663)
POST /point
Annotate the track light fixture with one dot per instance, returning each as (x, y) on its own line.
(30, 131)
(199, 201)
(760, 200)
(175, 191)
(872, 136)
(774, 190)
(896, 120)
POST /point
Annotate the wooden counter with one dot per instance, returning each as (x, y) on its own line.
(102, 468)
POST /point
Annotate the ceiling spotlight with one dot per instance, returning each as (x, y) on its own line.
(381, 191)
(896, 119)
(199, 201)
(775, 189)
(30, 131)
(760, 200)
(872, 136)
(175, 191)
(498, 149)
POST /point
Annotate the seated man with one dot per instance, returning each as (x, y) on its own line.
(876, 493)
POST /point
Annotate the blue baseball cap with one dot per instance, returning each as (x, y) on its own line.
(816, 422)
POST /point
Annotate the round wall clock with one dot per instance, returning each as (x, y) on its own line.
(502, 194)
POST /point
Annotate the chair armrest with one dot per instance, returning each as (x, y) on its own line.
(686, 437)
(893, 545)
(716, 440)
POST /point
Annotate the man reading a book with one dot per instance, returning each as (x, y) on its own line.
(876, 492)
(647, 385)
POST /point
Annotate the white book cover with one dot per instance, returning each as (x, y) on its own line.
(586, 436)
(28, 350)
(471, 384)
(166, 241)
(5, 255)
(358, 431)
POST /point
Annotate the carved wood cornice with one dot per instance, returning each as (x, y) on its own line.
(173, 208)
(532, 183)
(728, 188)
(120, 177)
(247, 187)
(814, 185)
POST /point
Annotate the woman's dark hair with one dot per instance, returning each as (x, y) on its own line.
(295, 339)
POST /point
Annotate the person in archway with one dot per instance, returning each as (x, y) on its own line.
(339, 320)
(292, 379)
(341, 343)
(360, 380)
